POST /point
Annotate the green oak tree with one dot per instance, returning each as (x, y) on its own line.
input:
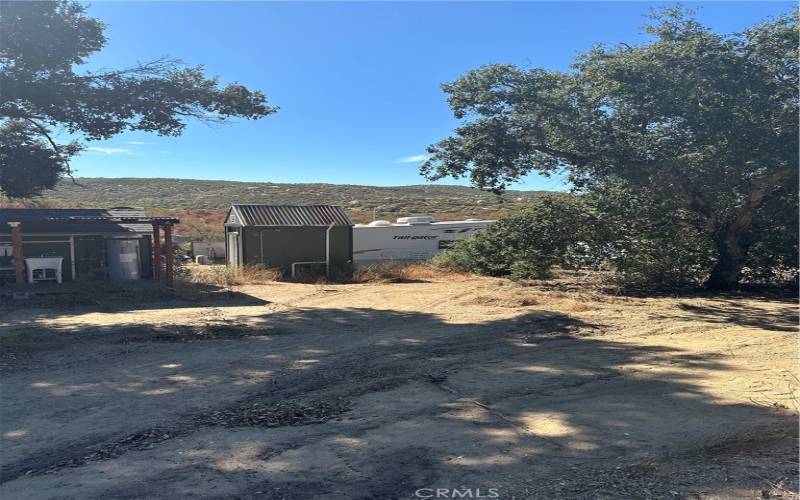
(703, 124)
(42, 90)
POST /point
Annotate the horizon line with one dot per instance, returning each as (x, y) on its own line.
(76, 178)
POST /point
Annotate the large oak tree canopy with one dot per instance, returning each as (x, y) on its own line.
(700, 119)
(41, 89)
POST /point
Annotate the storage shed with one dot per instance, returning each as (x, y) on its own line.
(292, 238)
(79, 244)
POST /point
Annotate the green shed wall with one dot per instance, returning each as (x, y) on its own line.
(280, 246)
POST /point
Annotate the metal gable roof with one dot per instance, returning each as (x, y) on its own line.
(78, 219)
(292, 215)
(23, 214)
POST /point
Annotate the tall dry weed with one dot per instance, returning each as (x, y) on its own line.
(395, 272)
(231, 276)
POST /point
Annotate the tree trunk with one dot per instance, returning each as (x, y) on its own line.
(732, 240)
(731, 256)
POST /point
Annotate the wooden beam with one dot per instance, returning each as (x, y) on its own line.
(156, 251)
(72, 256)
(168, 277)
(16, 249)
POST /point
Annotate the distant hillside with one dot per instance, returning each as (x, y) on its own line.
(201, 203)
(183, 194)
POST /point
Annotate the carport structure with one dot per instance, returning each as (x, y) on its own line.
(117, 243)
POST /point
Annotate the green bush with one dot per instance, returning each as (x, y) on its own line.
(528, 243)
(647, 242)
(569, 231)
(672, 257)
(772, 256)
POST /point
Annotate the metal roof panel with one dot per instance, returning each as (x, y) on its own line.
(292, 215)
(123, 219)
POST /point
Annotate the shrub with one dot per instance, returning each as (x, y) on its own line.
(669, 258)
(526, 244)
(768, 265)
(773, 255)
(573, 232)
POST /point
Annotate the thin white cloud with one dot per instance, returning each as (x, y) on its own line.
(109, 151)
(412, 159)
(137, 143)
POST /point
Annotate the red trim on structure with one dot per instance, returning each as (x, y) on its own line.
(16, 248)
(156, 251)
(168, 275)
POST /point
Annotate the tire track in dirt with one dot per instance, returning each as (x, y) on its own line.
(296, 397)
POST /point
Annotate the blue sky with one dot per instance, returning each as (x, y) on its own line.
(357, 83)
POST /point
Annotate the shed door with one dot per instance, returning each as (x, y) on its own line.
(233, 249)
(123, 259)
(90, 258)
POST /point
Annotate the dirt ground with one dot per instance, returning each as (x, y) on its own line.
(475, 387)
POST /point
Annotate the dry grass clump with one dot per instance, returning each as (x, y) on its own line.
(515, 297)
(395, 272)
(230, 276)
(506, 301)
(572, 305)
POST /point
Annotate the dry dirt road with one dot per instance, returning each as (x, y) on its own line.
(380, 391)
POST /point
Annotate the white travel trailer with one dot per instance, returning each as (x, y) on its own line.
(409, 239)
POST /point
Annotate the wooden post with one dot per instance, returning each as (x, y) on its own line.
(168, 254)
(156, 252)
(16, 249)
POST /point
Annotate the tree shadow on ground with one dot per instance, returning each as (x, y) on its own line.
(368, 403)
(71, 298)
(783, 318)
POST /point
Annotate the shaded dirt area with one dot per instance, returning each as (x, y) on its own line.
(394, 390)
